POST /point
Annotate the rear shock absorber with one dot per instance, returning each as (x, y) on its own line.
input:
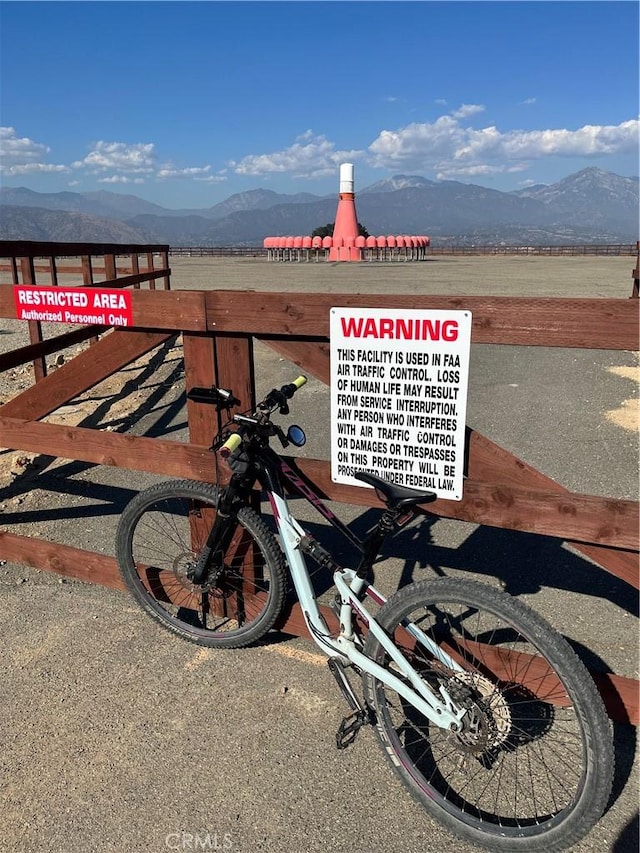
(311, 547)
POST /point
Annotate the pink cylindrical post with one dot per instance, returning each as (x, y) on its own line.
(346, 224)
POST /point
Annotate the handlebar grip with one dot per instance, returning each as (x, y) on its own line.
(290, 389)
(232, 443)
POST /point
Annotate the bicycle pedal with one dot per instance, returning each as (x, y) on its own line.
(349, 728)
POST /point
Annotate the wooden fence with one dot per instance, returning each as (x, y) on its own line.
(218, 328)
(613, 249)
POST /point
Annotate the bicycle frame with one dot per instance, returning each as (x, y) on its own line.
(352, 587)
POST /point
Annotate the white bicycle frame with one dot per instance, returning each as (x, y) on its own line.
(442, 711)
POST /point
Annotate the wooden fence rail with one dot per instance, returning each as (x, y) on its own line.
(611, 249)
(218, 329)
(590, 250)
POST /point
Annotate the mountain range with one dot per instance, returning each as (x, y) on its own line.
(590, 206)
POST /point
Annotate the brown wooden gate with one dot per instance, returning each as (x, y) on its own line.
(218, 328)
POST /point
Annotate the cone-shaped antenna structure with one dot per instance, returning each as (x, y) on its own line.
(345, 230)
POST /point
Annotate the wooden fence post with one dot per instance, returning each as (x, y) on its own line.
(28, 269)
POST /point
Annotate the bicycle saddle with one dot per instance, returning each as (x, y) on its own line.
(395, 495)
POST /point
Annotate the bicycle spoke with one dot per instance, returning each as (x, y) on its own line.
(160, 544)
(519, 762)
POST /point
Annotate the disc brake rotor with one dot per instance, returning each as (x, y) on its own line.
(183, 565)
(487, 722)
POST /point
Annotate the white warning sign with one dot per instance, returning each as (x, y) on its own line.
(399, 396)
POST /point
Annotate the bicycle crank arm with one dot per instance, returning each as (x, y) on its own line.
(360, 716)
(337, 668)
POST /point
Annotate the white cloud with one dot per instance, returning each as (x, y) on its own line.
(22, 156)
(133, 164)
(15, 148)
(213, 179)
(109, 162)
(417, 145)
(120, 179)
(529, 101)
(138, 158)
(310, 156)
(191, 172)
(478, 170)
(468, 110)
(449, 149)
(33, 169)
(585, 142)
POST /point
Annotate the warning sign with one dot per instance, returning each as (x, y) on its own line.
(399, 396)
(84, 306)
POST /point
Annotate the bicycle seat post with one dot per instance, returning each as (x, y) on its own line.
(373, 542)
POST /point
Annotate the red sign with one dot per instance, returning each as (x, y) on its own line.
(85, 306)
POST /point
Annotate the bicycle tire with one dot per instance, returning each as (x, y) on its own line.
(535, 705)
(158, 539)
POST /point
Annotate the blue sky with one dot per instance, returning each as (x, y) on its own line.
(186, 103)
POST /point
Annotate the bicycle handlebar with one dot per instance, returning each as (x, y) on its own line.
(273, 399)
(232, 443)
(299, 382)
(277, 397)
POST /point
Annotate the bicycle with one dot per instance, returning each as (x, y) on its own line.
(482, 708)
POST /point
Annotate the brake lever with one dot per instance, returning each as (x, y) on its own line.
(218, 397)
(284, 441)
(219, 440)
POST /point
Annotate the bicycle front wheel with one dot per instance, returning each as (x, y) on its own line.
(532, 767)
(160, 534)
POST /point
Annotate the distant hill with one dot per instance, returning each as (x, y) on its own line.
(241, 228)
(590, 206)
(398, 182)
(255, 200)
(594, 196)
(35, 223)
(118, 206)
(103, 204)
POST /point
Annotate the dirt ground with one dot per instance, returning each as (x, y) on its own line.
(488, 275)
(124, 738)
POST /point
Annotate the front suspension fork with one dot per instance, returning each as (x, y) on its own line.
(218, 537)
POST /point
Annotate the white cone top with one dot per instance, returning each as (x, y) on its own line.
(346, 178)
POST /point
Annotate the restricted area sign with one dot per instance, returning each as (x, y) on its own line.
(85, 306)
(399, 396)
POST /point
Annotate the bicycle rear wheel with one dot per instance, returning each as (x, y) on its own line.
(532, 768)
(160, 534)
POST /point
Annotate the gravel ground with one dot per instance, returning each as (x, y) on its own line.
(124, 738)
